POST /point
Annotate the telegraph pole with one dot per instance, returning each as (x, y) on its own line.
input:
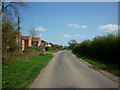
(2, 7)
(19, 33)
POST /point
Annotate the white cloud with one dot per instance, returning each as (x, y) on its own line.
(40, 35)
(66, 35)
(108, 28)
(76, 26)
(40, 28)
(72, 36)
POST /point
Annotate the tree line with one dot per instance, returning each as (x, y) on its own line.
(101, 47)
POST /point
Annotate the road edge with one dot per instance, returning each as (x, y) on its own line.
(104, 72)
(41, 72)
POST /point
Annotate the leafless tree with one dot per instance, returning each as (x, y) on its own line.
(11, 8)
(33, 33)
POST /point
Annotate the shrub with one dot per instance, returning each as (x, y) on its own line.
(15, 56)
(35, 48)
(102, 47)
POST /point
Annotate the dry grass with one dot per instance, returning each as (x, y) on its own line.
(18, 56)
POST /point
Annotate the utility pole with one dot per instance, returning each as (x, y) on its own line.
(2, 7)
(19, 39)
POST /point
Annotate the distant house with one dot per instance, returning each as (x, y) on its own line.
(23, 45)
(49, 45)
(27, 41)
(44, 43)
(36, 42)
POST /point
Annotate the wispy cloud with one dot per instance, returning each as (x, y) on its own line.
(40, 28)
(73, 36)
(69, 36)
(109, 27)
(76, 26)
(40, 35)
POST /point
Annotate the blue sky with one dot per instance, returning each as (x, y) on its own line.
(59, 22)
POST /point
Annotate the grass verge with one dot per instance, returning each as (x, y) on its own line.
(20, 74)
(113, 68)
(52, 51)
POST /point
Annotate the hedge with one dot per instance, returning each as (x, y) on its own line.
(102, 47)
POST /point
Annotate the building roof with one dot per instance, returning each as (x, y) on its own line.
(43, 41)
(36, 39)
(25, 37)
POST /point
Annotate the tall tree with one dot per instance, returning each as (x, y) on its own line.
(11, 10)
(9, 33)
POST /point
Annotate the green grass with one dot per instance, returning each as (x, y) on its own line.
(52, 51)
(22, 73)
(113, 68)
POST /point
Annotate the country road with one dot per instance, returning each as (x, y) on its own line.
(64, 71)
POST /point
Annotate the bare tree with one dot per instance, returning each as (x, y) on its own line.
(11, 8)
(33, 33)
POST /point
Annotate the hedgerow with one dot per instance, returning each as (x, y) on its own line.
(102, 47)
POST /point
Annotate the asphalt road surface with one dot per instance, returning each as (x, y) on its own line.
(64, 71)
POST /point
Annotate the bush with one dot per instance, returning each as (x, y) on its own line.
(15, 56)
(102, 47)
(9, 34)
(35, 48)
